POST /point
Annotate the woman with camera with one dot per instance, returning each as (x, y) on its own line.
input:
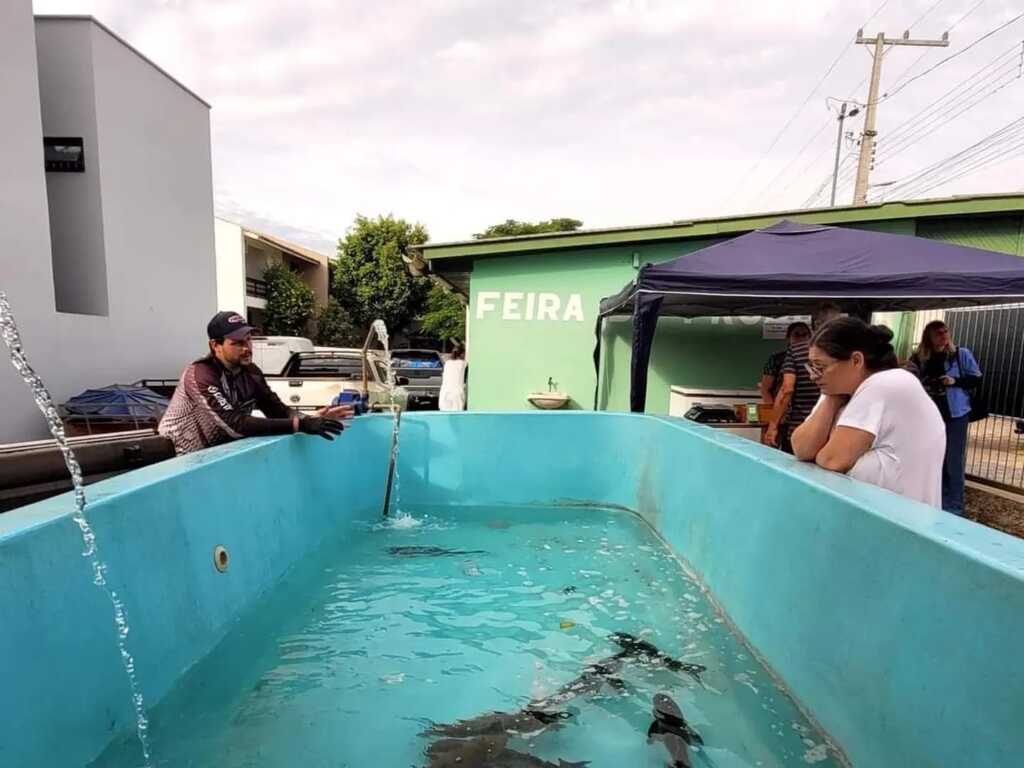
(950, 374)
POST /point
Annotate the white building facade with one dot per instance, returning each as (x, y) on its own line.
(243, 255)
(106, 211)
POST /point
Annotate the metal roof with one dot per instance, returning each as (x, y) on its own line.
(294, 249)
(717, 226)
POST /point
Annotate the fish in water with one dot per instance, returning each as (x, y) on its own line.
(569, 590)
(672, 730)
(413, 551)
(486, 751)
(526, 722)
(647, 653)
(587, 683)
(512, 759)
(449, 753)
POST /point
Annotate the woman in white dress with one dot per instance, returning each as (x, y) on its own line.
(453, 383)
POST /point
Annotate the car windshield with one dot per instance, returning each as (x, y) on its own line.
(328, 367)
(410, 358)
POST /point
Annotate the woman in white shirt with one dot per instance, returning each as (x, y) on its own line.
(874, 420)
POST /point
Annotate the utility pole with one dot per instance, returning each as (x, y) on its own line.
(867, 144)
(839, 144)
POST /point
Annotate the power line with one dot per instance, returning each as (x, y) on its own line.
(891, 141)
(1004, 153)
(982, 152)
(1007, 146)
(964, 96)
(953, 26)
(924, 15)
(962, 51)
(803, 104)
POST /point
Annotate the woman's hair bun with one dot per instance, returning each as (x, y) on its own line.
(882, 333)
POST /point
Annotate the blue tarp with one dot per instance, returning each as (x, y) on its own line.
(790, 268)
(128, 401)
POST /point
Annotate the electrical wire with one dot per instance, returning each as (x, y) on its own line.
(954, 102)
(800, 109)
(1000, 28)
(927, 51)
(982, 152)
(977, 87)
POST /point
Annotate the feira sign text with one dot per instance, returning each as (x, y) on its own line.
(518, 305)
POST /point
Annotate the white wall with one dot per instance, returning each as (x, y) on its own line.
(156, 198)
(25, 271)
(230, 247)
(68, 100)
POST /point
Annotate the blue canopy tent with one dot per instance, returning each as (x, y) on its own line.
(127, 402)
(790, 268)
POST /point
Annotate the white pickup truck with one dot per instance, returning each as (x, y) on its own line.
(312, 380)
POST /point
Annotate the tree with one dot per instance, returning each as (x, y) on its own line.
(511, 227)
(371, 280)
(445, 318)
(290, 302)
(334, 328)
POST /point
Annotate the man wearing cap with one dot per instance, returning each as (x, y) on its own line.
(216, 395)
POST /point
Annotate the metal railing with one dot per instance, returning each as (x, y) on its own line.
(995, 449)
(255, 288)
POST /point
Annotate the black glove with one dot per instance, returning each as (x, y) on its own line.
(317, 425)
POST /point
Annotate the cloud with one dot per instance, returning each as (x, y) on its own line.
(461, 113)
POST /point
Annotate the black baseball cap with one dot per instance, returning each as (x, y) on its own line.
(228, 325)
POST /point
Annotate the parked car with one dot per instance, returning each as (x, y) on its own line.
(271, 353)
(312, 380)
(423, 368)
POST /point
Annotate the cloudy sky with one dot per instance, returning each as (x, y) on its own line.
(462, 113)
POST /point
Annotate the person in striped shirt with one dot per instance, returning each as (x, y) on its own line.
(798, 394)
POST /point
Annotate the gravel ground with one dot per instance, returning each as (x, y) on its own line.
(995, 511)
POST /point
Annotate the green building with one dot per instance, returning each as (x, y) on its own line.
(533, 300)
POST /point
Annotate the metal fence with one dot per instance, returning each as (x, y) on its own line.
(995, 449)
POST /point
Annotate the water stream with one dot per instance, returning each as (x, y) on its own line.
(391, 493)
(11, 337)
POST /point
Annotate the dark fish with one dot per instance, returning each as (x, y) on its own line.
(512, 759)
(569, 590)
(526, 722)
(431, 552)
(463, 753)
(587, 683)
(646, 653)
(672, 730)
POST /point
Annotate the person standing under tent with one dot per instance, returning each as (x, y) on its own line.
(798, 393)
(949, 374)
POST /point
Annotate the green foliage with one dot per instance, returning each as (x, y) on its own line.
(290, 302)
(371, 281)
(334, 328)
(445, 318)
(511, 227)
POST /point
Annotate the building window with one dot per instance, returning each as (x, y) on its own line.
(64, 154)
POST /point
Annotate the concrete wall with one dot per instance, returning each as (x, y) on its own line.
(230, 247)
(158, 543)
(894, 623)
(67, 92)
(26, 274)
(153, 209)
